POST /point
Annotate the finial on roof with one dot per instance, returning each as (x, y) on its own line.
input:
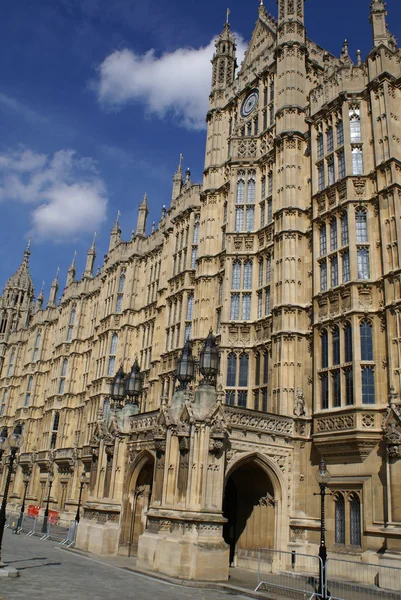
(41, 289)
(94, 241)
(228, 17)
(358, 58)
(73, 261)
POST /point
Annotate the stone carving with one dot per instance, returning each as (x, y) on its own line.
(368, 421)
(392, 438)
(264, 423)
(299, 403)
(336, 423)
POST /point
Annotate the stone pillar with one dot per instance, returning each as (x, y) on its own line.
(184, 535)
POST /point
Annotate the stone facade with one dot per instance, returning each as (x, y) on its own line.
(289, 252)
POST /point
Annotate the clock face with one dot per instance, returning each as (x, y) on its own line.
(250, 103)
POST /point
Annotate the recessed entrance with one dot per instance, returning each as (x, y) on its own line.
(139, 501)
(249, 508)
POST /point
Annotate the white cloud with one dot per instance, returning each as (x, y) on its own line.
(66, 194)
(174, 84)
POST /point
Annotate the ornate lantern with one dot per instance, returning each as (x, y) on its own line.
(185, 366)
(134, 382)
(209, 360)
(117, 388)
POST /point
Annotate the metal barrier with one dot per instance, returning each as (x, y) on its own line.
(71, 535)
(280, 572)
(12, 520)
(63, 533)
(351, 580)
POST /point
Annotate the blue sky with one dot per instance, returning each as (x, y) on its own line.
(97, 100)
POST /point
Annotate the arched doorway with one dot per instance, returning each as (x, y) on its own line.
(139, 501)
(249, 507)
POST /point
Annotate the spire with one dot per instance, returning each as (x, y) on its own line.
(40, 299)
(378, 15)
(188, 176)
(143, 212)
(71, 272)
(177, 180)
(345, 57)
(53, 291)
(224, 60)
(21, 281)
(90, 259)
(115, 234)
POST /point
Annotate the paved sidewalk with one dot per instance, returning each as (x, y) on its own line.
(47, 572)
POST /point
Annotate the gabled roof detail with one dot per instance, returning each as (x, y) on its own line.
(263, 37)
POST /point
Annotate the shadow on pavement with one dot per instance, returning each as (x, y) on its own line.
(55, 564)
(10, 562)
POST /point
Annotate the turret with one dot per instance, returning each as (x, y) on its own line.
(90, 260)
(177, 181)
(143, 212)
(71, 272)
(378, 15)
(115, 233)
(16, 301)
(224, 60)
(53, 291)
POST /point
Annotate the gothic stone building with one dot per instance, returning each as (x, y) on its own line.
(289, 251)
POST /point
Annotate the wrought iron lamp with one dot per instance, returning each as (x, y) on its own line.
(81, 487)
(126, 386)
(209, 360)
(323, 478)
(185, 371)
(14, 442)
(25, 480)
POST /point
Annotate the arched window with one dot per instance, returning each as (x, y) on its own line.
(268, 268)
(112, 355)
(340, 519)
(248, 275)
(355, 520)
(251, 188)
(56, 422)
(28, 391)
(236, 276)
(366, 340)
(3, 322)
(325, 349)
(357, 161)
(241, 188)
(348, 342)
(71, 324)
(333, 235)
(231, 370)
(260, 281)
(361, 226)
(243, 370)
(196, 233)
(355, 124)
(336, 345)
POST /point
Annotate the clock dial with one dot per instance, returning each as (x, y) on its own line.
(250, 103)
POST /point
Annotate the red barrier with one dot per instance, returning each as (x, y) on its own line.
(53, 517)
(33, 511)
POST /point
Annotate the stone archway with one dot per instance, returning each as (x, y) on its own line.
(139, 496)
(250, 508)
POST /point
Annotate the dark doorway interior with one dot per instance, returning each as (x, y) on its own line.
(141, 500)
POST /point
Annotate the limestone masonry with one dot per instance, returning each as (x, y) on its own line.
(289, 251)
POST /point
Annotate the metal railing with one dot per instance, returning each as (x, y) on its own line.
(64, 533)
(280, 572)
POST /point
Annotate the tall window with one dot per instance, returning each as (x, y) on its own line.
(366, 341)
(245, 210)
(246, 307)
(333, 235)
(268, 268)
(323, 240)
(349, 387)
(194, 257)
(344, 230)
(325, 349)
(320, 177)
(196, 233)
(336, 345)
(56, 422)
(348, 343)
(63, 375)
(267, 302)
(324, 391)
(368, 385)
(340, 519)
(234, 311)
(334, 271)
(220, 292)
(361, 226)
(355, 520)
(236, 276)
(355, 124)
(341, 164)
(363, 264)
(190, 308)
(231, 379)
(323, 276)
(120, 293)
(248, 275)
(346, 267)
(260, 304)
(28, 392)
(336, 389)
(330, 140)
(340, 133)
(331, 170)
(357, 161)
(243, 370)
(71, 324)
(260, 280)
(112, 355)
(320, 146)
(3, 407)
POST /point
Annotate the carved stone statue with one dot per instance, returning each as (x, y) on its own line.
(299, 403)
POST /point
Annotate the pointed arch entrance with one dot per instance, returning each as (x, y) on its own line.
(250, 507)
(137, 504)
